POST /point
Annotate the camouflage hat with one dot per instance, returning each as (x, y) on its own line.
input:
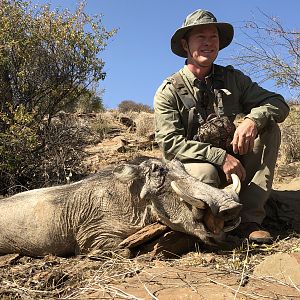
(196, 18)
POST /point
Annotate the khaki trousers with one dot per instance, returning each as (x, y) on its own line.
(259, 165)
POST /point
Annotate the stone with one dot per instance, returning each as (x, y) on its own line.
(284, 267)
(144, 235)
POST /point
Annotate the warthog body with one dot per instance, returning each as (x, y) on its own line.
(101, 211)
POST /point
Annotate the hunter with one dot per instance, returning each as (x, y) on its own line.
(195, 110)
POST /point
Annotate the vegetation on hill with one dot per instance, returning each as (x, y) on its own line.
(49, 61)
(128, 105)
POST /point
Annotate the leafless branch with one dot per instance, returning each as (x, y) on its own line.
(271, 52)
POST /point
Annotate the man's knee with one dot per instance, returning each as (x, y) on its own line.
(205, 172)
(268, 140)
(271, 133)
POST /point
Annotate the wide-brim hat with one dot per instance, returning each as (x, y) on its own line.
(198, 18)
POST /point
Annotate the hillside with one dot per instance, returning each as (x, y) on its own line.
(246, 272)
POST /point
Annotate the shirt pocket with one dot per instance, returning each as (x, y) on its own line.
(231, 105)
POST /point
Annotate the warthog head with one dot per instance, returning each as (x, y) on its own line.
(182, 202)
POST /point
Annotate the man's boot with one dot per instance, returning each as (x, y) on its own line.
(254, 232)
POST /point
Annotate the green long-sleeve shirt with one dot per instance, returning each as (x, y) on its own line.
(246, 97)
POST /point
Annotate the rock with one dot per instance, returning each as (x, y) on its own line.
(281, 266)
(144, 235)
(120, 144)
(208, 258)
(151, 136)
(128, 122)
(116, 144)
(142, 145)
(292, 185)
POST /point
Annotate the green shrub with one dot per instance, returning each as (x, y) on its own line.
(18, 140)
(129, 105)
(48, 61)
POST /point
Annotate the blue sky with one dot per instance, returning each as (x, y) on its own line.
(138, 57)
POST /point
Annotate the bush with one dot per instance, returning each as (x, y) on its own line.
(290, 146)
(18, 140)
(129, 105)
(44, 157)
(48, 60)
(61, 158)
(88, 102)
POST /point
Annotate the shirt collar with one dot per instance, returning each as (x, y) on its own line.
(193, 79)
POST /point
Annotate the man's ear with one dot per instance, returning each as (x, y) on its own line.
(184, 44)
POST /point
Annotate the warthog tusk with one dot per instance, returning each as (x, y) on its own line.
(231, 227)
(236, 183)
(187, 198)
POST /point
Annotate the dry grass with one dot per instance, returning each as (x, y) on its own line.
(289, 153)
(68, 278)
(144, 124)
(113, 277)
(290, 145)
(101, 125)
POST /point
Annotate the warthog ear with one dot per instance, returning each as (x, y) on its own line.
(154, 179)
(126, 172)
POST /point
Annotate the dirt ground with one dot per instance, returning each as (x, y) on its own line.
(202, 274)
(194, 276)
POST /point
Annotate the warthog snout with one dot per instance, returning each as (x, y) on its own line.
(230, 213)
(221, 206)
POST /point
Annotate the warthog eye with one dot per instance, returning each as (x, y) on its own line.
(159, 169)
(154, 167)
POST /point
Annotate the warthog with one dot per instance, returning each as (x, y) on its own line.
(99, 212)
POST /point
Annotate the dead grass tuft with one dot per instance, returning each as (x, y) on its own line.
(290, 144)
(144, 124)
(101, 125)
(106, 276)
(68, 278)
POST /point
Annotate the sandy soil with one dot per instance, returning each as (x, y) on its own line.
(203, 274)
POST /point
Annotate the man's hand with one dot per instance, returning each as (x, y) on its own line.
(244, 136)
(232, 165)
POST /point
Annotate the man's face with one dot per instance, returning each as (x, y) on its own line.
(202, 45)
